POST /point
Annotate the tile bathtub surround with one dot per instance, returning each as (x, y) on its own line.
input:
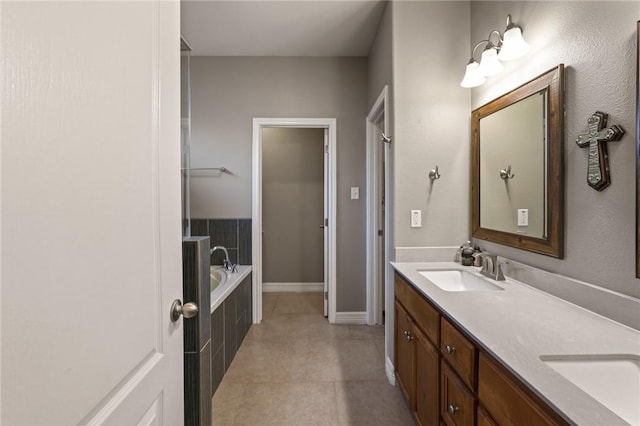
(295, 368)
(233, 234)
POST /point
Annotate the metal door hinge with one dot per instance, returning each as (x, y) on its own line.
(326, 149)
(326, 295)
(326, 221)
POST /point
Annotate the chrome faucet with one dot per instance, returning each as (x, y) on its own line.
(491, 267)
(226, 263)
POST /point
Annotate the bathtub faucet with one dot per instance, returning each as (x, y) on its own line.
(226, 262)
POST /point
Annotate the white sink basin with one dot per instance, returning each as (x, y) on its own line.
(218, 276)
(457, 280)
(613, 380)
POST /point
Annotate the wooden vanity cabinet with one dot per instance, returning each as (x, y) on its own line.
(447, 380)
(417, 357)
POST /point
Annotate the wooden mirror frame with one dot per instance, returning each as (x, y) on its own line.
(553, 245)
(638, 152)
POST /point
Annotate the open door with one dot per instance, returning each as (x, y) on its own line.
(325, 225)
(90, 241)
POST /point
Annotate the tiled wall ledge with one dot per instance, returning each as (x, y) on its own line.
(616, 306)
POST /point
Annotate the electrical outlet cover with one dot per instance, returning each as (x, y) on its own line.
(523, 217)
(355, 193)
(416, 218)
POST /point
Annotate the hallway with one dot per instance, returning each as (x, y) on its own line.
(296, 369)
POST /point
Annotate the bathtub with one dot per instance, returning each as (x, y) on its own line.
(224, 282)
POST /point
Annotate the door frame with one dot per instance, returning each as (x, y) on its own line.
(256, 208)
(375, 283)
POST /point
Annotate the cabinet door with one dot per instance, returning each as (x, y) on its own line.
(427, 380)
(404, 354)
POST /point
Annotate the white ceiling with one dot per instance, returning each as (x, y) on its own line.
(281, 28)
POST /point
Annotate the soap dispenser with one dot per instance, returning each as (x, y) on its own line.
(464, 254)
(467, 256)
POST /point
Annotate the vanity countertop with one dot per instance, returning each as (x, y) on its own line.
(520, 324)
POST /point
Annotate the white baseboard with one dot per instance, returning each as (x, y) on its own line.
(292, 287)
(390, 370)
(355, 318)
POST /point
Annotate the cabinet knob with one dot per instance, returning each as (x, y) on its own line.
(406, 333)
(450, 349)
(409, 337)
(453, 409)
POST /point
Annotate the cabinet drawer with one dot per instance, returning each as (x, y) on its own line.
(458, 406)
(506, 401)
(424, 315)
(459, 352)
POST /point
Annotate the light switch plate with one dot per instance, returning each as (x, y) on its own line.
(523, 217)
(355, 192)
(416, 218)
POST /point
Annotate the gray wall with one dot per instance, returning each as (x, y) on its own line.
(292, 205)
(597, 43)
(431, 121)
(228, 92)
(380, 58)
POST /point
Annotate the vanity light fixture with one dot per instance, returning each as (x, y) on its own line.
(510, 46)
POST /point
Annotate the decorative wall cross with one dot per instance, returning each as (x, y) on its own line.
(597, 138)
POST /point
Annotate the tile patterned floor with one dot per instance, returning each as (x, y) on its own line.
(296, 369)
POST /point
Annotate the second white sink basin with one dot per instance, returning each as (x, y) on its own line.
(457, 280)
(613, 380)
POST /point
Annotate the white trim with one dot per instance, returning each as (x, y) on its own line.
(256, 210)
(355, 318)
(375, 283)
(292, 287)
(390, 369)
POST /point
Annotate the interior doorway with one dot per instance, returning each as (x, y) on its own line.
(293, 209)
(378, 223)
(261, 216)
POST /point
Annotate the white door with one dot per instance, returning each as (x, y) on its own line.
(326, 222)
(90, 241)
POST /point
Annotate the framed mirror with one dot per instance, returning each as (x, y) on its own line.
(517, 185)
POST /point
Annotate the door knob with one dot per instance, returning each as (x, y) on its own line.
(188, 310)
